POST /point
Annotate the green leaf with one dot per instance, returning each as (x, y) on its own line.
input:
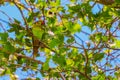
(70, 40)
(74, 27)
(59, 60)
(117, 43)
(98, 56)
(20, 36)
(72, 0)
(7, 71)
(9, 48)
(117, 1)
(46, 65)
(58, 2)
(3, 37)
(99, 77)
(16, 21)
(56, 41)
(3, 63)
(32, 1)
(89, 70)
(21, 60)
(27, 42)
(15, 28)
(70, 62)
(31, 16)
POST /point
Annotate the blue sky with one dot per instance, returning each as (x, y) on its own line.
(14, 13)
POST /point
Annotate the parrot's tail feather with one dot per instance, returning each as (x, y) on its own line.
(35, 51)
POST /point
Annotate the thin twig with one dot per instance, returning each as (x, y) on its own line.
(4, 21)
(2, 27)
(22, 16)
(78, 38)
(29, 58)
(85, 32)
(93, 4)
(86, 62)
(94, 48)
(63, 78)
(82, 74)
(23, 56)
(45, 46)
(24, 6)
(6, 15)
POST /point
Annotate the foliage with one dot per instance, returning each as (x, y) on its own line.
(76, 42)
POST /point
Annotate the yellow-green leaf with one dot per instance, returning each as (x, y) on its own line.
(70, 62)
(118, 43)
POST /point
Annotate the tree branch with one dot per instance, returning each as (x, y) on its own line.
(29, 58)
(23, 56)
(63, 78)
(83, 74)
(22, 16)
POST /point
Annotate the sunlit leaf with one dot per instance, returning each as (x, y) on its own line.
(117, 43)
(69, 62)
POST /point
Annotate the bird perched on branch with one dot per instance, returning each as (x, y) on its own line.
(36, 45)
(36, 39)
